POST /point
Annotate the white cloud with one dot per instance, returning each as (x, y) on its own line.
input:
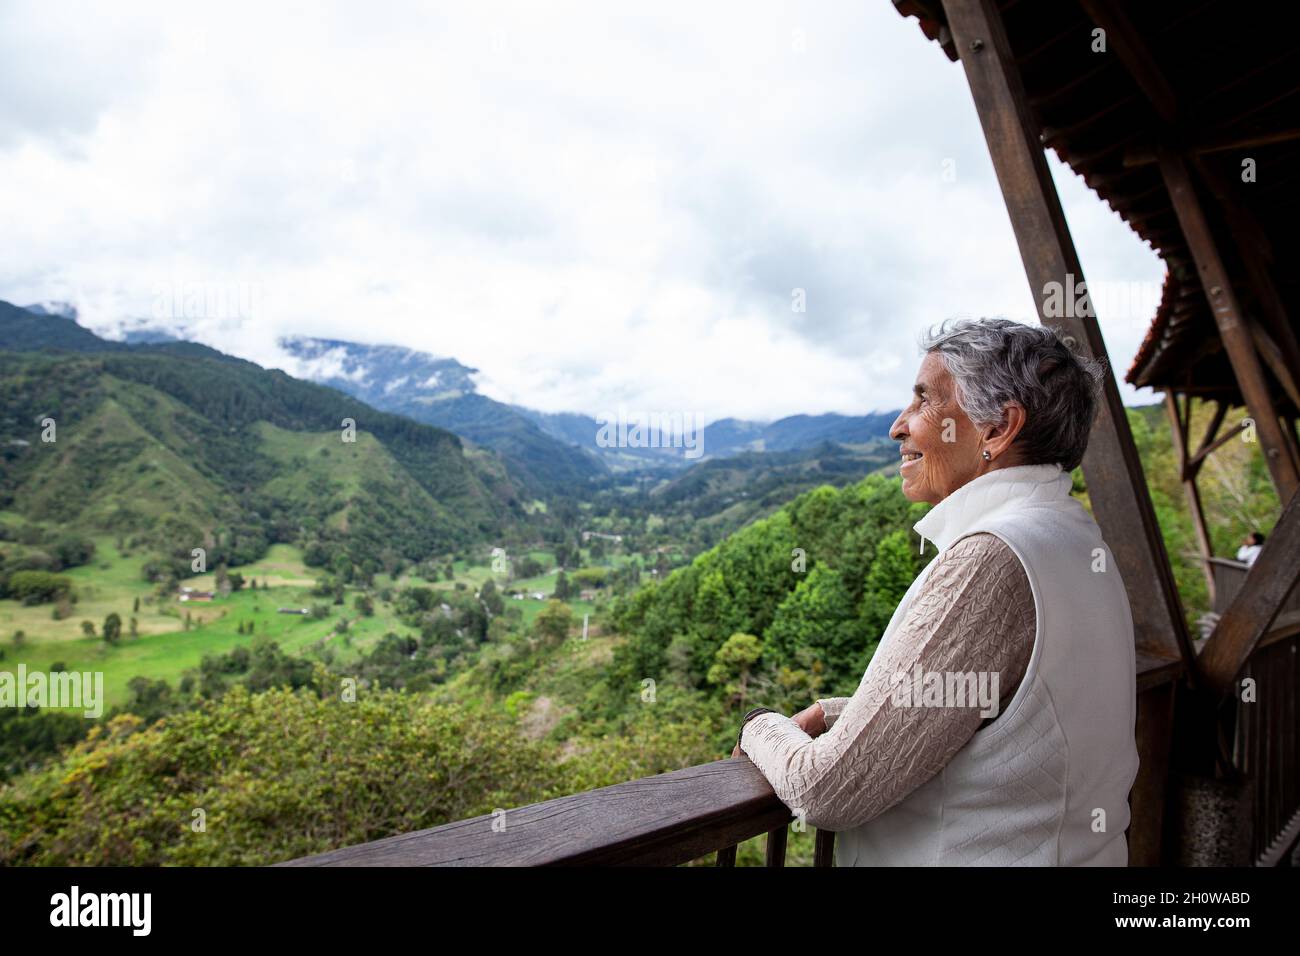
(593, 204)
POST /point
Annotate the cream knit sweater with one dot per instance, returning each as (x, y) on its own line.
(974, 614)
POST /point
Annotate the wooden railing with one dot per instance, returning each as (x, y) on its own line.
(1229, 576)
(1266, 746)
(1262, 733)
(665, 820)
(679, 817)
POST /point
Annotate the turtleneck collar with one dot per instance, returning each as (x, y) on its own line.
(955, 515)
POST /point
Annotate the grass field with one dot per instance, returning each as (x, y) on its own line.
(164, 649)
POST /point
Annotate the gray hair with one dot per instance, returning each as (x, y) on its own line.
(996, 361)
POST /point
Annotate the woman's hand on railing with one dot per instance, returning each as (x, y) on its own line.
(811, 720)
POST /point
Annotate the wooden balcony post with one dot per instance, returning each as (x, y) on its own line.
(1116, 484)
(1179, 425)
(1271, 578)
(1233, 328)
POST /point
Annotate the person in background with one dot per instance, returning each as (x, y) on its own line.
(1250, 548)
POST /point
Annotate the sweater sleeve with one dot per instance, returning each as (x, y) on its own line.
(832, 707)
(973, 614)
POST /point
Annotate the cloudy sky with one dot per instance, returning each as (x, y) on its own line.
(593, 204)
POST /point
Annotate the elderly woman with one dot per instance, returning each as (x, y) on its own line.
(995, 723)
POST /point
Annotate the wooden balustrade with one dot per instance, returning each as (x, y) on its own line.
(1266, 746)
(665, 820)
(678, 817)
(1229, 576)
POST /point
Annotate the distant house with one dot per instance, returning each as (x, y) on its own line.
(293, 610)
(586, 595)
(588, 535)
(446, 610)
(190, 594)
(538, 596)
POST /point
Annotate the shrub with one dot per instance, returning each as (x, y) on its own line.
(37, 587)
(277, 775)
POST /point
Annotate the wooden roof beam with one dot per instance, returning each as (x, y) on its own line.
(1051, 96)
(1234, 329)
(1133, 52)
(1180, 422)
(1147, 155)
(1051, 136)
(1116, 485)
(1209, 443)
(1208, 449)
(1280, 349)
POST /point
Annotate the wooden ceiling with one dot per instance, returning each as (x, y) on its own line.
(1213, 80)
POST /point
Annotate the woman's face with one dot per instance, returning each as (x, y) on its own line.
(934, 427)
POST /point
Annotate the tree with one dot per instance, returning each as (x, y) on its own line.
(732, 664)
(135, 608)
(135, 628)
(890, 576)
(71, 551)
(364, 605)
(553, 623)
(662, 564)
(112, 629)
(562, 592)
(37, 587)
(88, 628)
(491, 597)
(525, 567)
(819, 615)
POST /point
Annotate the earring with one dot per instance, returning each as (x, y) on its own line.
(987, 456)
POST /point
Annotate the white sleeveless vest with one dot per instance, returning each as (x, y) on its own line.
(1047, 782)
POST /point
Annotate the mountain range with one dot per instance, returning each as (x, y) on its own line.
(545, 449)
(176, 445)
(542, 454)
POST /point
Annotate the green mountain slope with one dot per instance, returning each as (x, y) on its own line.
(441, 392)
(181, 447)
(815, 583)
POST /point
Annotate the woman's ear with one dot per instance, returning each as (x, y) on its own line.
(1000, 437)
